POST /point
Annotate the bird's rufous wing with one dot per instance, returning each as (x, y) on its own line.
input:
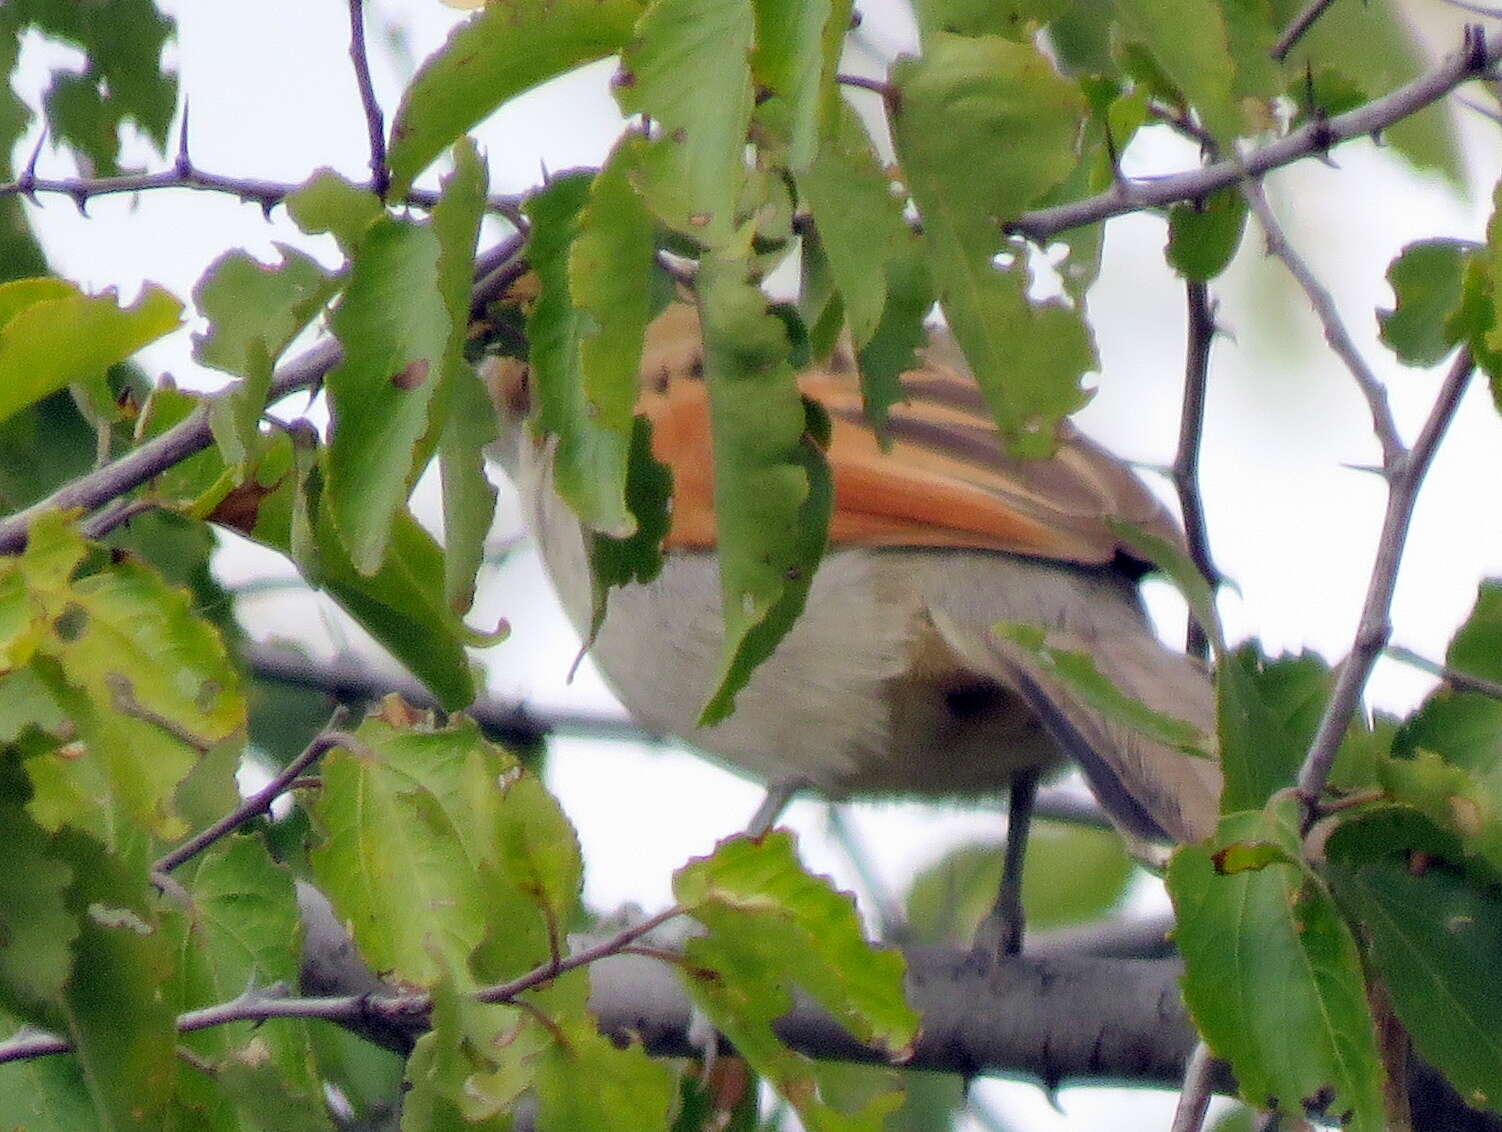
(944, 480)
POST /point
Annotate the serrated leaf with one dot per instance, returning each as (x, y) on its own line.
(469, 418)
(1015, 19)
(402, 604)
(147, 683)
(859, 220)
(892, 350)
(409, 821)
(123, 1030)
(772, 926)
(948, 901)
(255, 310)
(52, 342)
(1273, 980)
(327, 202)
(637, 557)
(498, 53)
(773, 492)
(1204, 235)
(798, 46)
(589, 466)
(1077, 671)
(394, 327)
(983, 128)
(38, 929)
(688, 67)
(537, 850)
(628, 1091)
(1188, 41)
(1268, 710)
(241, 935)
(1434, 934)
(1428, 283)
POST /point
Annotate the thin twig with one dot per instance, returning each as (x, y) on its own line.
(122, 511)
(1297, 27)
(1186, 460)
(1405, 478)
(193, 434)
(1474, 58)
(266, 194)
(1183, 124)
(1476, 9)
(1336, 335)
(375, 127)
(260, 802)
(1194, 1097)
(546, 973)
(1460, 681)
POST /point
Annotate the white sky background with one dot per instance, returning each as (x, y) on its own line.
(272, 96)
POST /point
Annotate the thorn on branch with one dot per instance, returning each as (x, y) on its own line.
(184, 164)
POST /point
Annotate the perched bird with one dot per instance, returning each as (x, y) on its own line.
(893, 680)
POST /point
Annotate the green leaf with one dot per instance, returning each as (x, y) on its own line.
(1428, 284)
(589, 413)
(122, 1027)
(773, 494)
(469, 420)
(254, 310)
(147, 682)
(1268, 711)
(409, 820)
(394, 327)
(1077, 671)
(1071, 875)
(327, 202)
(983, 128)
(798, 46)
(1188, 40)
(688, 67)
(892, 350)
(123, 81)
(497, 54)
(627, 1091)
(637, 557)
(402, 604)
(1434, 932)
(54, 341)
(1015, 19)
(1272, 978)
(1204, 235)
(36, 928)
(240, 935)
(772, 926)
(537, 850)
(860, 222)
(247, 301)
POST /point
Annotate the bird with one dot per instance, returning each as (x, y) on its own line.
(893, 681)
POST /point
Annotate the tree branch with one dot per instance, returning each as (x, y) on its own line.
(1460, 681)
(1406, 476)
(1474, 58)
(193, 434)
(184, 175)
(375, 128)
(1297, 27)
(261, 801)
(1186, 460)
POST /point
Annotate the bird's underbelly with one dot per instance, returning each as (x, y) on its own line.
(860, 698)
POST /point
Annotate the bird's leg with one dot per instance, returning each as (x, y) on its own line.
(1000, 933)
(778, 795)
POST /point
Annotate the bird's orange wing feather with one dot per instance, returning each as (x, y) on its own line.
(945, 480)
